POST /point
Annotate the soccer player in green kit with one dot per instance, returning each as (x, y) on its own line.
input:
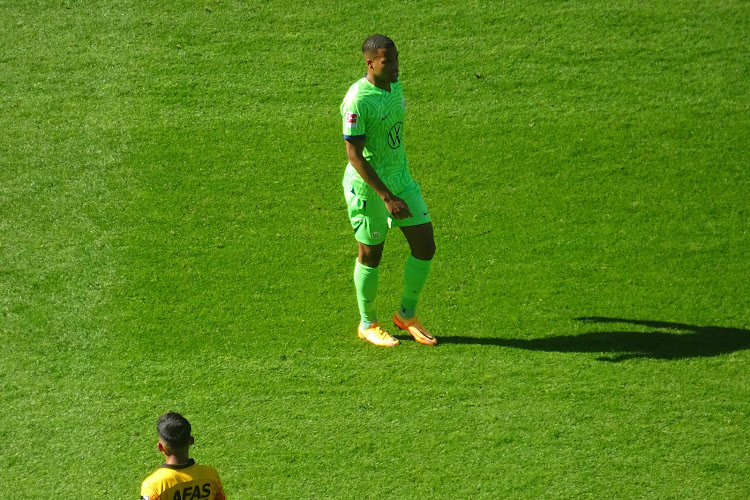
(380, 192)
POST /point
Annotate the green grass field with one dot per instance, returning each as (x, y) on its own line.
(173, 236)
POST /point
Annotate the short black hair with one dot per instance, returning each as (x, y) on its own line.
(174, 430)
(375, 42)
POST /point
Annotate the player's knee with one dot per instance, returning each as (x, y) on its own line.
(425, 251)
(370, 255)
(431, 251)
(370, 260)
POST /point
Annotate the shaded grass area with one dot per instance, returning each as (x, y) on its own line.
(173, 237)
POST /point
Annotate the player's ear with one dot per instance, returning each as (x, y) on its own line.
(192, 440)
(161, 447)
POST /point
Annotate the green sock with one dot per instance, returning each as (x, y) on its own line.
(415, 276)
(366, 283)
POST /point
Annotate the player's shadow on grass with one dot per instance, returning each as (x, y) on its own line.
(664, 341)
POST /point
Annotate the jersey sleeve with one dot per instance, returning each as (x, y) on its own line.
(220, 495)
(147, 492)
(354, 123)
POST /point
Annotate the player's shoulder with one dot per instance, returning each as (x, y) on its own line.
(205, 471)
(152, 483)
(361, 90)
(156, 476)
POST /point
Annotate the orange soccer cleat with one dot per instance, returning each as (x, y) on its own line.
(414, 326)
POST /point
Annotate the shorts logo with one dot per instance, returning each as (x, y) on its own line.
(351, 119)
(394, 135)
(375, 235)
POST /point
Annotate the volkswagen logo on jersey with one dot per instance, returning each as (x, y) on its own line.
(394, 135)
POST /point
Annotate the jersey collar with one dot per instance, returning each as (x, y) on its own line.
(189, 463)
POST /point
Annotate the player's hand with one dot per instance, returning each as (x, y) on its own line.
(397, 207)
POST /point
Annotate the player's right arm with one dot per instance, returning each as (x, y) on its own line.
(355, 147)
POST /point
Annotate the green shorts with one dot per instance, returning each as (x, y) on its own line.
(371, 220)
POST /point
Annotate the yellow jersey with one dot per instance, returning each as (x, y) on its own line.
(183, 482)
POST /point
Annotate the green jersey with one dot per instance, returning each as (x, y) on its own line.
(377, 116)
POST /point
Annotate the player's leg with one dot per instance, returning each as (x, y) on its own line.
(369, 220)
(419, 233)
(422, 244)
(366, 274)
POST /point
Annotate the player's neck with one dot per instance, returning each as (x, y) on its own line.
(176, 459)
(381, 84)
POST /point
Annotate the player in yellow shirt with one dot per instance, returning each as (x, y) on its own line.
(180, 478)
